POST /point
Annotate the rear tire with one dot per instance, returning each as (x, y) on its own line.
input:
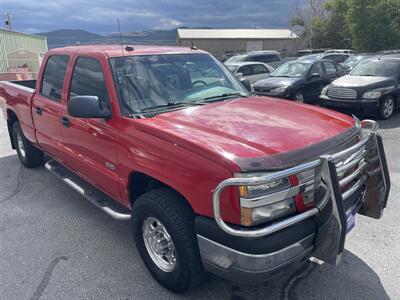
(164, 215)
(29, 155)
(386, 108)
(298, 96)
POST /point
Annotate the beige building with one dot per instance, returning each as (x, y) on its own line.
(20, 54)
(221, 42)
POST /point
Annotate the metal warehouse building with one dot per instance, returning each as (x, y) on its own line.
(20, 54)
(222, 42)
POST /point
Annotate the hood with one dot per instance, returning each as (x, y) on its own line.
(361, 82)
(254, 132)
(273, 82)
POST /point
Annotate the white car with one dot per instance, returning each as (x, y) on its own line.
(252, 71)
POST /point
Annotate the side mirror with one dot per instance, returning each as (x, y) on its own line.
(247, 84)
(87, 107)
(314, 76)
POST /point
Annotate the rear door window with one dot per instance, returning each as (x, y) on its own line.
(88, 80)
(329, 68)
(53, 77)
(259, 69)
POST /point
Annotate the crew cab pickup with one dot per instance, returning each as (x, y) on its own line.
(211, 177)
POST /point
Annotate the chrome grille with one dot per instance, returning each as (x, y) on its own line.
(342, 93)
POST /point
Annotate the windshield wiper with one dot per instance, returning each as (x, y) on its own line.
(223, 96)
(168, 105)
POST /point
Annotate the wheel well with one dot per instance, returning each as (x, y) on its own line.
(140, 183)
(11, 118)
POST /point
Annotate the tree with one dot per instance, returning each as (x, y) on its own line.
(304, 17)
(374, 24)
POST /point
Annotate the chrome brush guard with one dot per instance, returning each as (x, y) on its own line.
(360, 169)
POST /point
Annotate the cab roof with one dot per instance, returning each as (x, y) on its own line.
(118, 50)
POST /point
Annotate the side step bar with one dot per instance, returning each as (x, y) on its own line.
(89, 192)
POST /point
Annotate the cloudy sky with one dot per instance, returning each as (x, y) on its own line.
(136, 15)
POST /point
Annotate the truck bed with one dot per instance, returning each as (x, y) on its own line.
(26, 83)
(16, 98)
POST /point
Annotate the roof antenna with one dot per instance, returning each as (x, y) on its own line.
(124, 63)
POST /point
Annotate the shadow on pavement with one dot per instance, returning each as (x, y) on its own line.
(114, 262)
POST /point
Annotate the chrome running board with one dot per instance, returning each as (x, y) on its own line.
(89, 192)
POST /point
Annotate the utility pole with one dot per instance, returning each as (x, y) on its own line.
(8, 21)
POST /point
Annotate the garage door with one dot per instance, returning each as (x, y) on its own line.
(254, 46)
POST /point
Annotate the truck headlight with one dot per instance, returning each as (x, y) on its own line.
(372, 95)
(276, 199)
(279, 90)
(325, 90)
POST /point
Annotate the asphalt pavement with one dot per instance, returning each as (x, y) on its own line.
(56, 245)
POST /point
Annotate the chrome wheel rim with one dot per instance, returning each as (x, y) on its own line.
(159, 244)
(388, 107)
(21, 146)
(299, 98)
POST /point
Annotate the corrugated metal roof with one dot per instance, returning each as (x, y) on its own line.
(236, 34)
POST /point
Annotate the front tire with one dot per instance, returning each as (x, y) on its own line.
(386, 108)
(29, 155)
(163, 230)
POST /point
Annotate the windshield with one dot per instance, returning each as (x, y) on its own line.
(352, 61)
(148, 81)
(310, 57)
(292, 69)
(235, 58)
(379, 68)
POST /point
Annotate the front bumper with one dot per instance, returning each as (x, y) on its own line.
(253, 255)
(251, 268)
(349, 104)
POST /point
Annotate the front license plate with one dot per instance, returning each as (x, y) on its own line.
(351, 219)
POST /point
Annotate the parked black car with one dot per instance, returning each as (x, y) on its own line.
(301, 81)
(373, 84)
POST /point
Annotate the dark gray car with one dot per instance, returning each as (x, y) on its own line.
(301, 81)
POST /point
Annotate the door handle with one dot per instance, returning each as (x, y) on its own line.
(38, 111)
(65, 122)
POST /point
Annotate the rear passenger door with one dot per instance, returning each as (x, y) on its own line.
(47, 105)
(90, 144)
(260, 71)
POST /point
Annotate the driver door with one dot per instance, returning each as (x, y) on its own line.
(315, 85)
(90, 144)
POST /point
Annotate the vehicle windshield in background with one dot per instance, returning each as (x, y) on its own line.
(292, 69)
(378, 68)
(352, 61)
(235, 58)
(155, 81)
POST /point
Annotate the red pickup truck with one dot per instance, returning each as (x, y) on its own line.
(212, 177)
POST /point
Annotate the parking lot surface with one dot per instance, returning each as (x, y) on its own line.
(56, 245)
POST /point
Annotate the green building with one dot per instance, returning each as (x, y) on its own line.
(20, 52)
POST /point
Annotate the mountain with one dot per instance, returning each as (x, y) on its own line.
(66, 37)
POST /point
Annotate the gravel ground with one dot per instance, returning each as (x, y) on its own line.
(56, 245)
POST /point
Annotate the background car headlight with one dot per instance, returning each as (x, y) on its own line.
(325, 90)
(280, 89)
(372, 95)
(276, 199)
